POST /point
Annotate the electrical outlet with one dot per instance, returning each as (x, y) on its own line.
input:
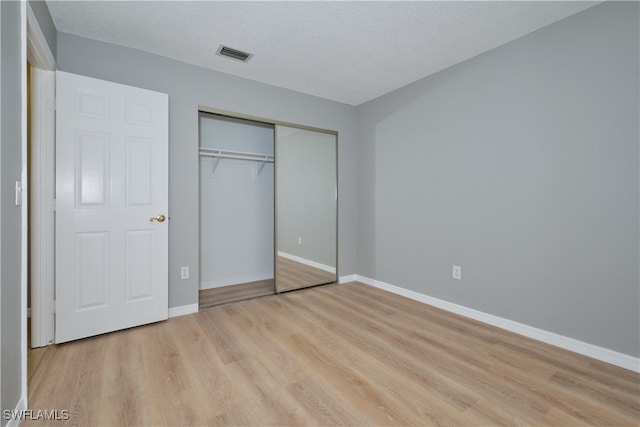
(456, 273)
(299, 240)
(184, 273)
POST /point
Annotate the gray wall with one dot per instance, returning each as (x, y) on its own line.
(41, 12)
(10, 219)
(520, 165)
(188, 87)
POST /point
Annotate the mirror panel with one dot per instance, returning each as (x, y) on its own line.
(306, 208)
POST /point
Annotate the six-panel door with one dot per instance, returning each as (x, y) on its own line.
(111, 192)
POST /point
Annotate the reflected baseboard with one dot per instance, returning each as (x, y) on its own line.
(310, 263)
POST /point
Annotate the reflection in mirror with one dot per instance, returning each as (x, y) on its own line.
(306, 208)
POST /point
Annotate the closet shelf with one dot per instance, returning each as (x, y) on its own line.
(241, 155)
(217, 154)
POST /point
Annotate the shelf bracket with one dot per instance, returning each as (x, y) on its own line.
(259, 169)
(213, 165)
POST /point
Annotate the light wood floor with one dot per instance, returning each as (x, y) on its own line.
(295, 275)
(232, 293)
(331, 355)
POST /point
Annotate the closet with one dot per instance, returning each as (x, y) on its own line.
(236, 209)
(268, 207)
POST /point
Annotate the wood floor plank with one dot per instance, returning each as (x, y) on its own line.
(327, 408)
(425, 403)
(558, 417)
(284, 367)
(378, 341)
(332, 355)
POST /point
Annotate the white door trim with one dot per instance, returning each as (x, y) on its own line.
(24, 209)
(42, 184)
(42, 190)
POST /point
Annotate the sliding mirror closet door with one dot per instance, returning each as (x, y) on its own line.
(306, 208)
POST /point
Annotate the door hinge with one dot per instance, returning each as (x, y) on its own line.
(53, 204)
(52, 104)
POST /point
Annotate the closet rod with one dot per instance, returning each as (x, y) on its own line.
(226, 154)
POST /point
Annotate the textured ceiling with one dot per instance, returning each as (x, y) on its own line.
(345, 51)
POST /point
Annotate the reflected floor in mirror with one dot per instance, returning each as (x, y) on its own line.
(232, 293)
(295, 275)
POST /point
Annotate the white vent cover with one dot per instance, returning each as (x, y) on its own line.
(236, 54)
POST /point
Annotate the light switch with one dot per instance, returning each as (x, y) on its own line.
(18, 195)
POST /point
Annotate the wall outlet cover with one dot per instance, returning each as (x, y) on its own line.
(456, 272)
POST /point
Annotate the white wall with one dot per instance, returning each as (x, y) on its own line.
(236, 205)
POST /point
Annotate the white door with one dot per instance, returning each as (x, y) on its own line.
(111, 206)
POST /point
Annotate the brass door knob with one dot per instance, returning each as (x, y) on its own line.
(159, 218)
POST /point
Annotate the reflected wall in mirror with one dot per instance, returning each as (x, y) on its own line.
(306, 208)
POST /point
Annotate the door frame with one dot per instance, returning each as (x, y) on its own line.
(41, 169)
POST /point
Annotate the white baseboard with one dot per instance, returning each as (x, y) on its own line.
(211, 284)
(308, 262)
(20, 408)
(349, 278)
(182, 310)
(600, 353)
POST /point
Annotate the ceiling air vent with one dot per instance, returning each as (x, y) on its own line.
(238, 55)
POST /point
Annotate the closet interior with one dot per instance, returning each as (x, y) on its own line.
(236, 209)
(268, 208)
